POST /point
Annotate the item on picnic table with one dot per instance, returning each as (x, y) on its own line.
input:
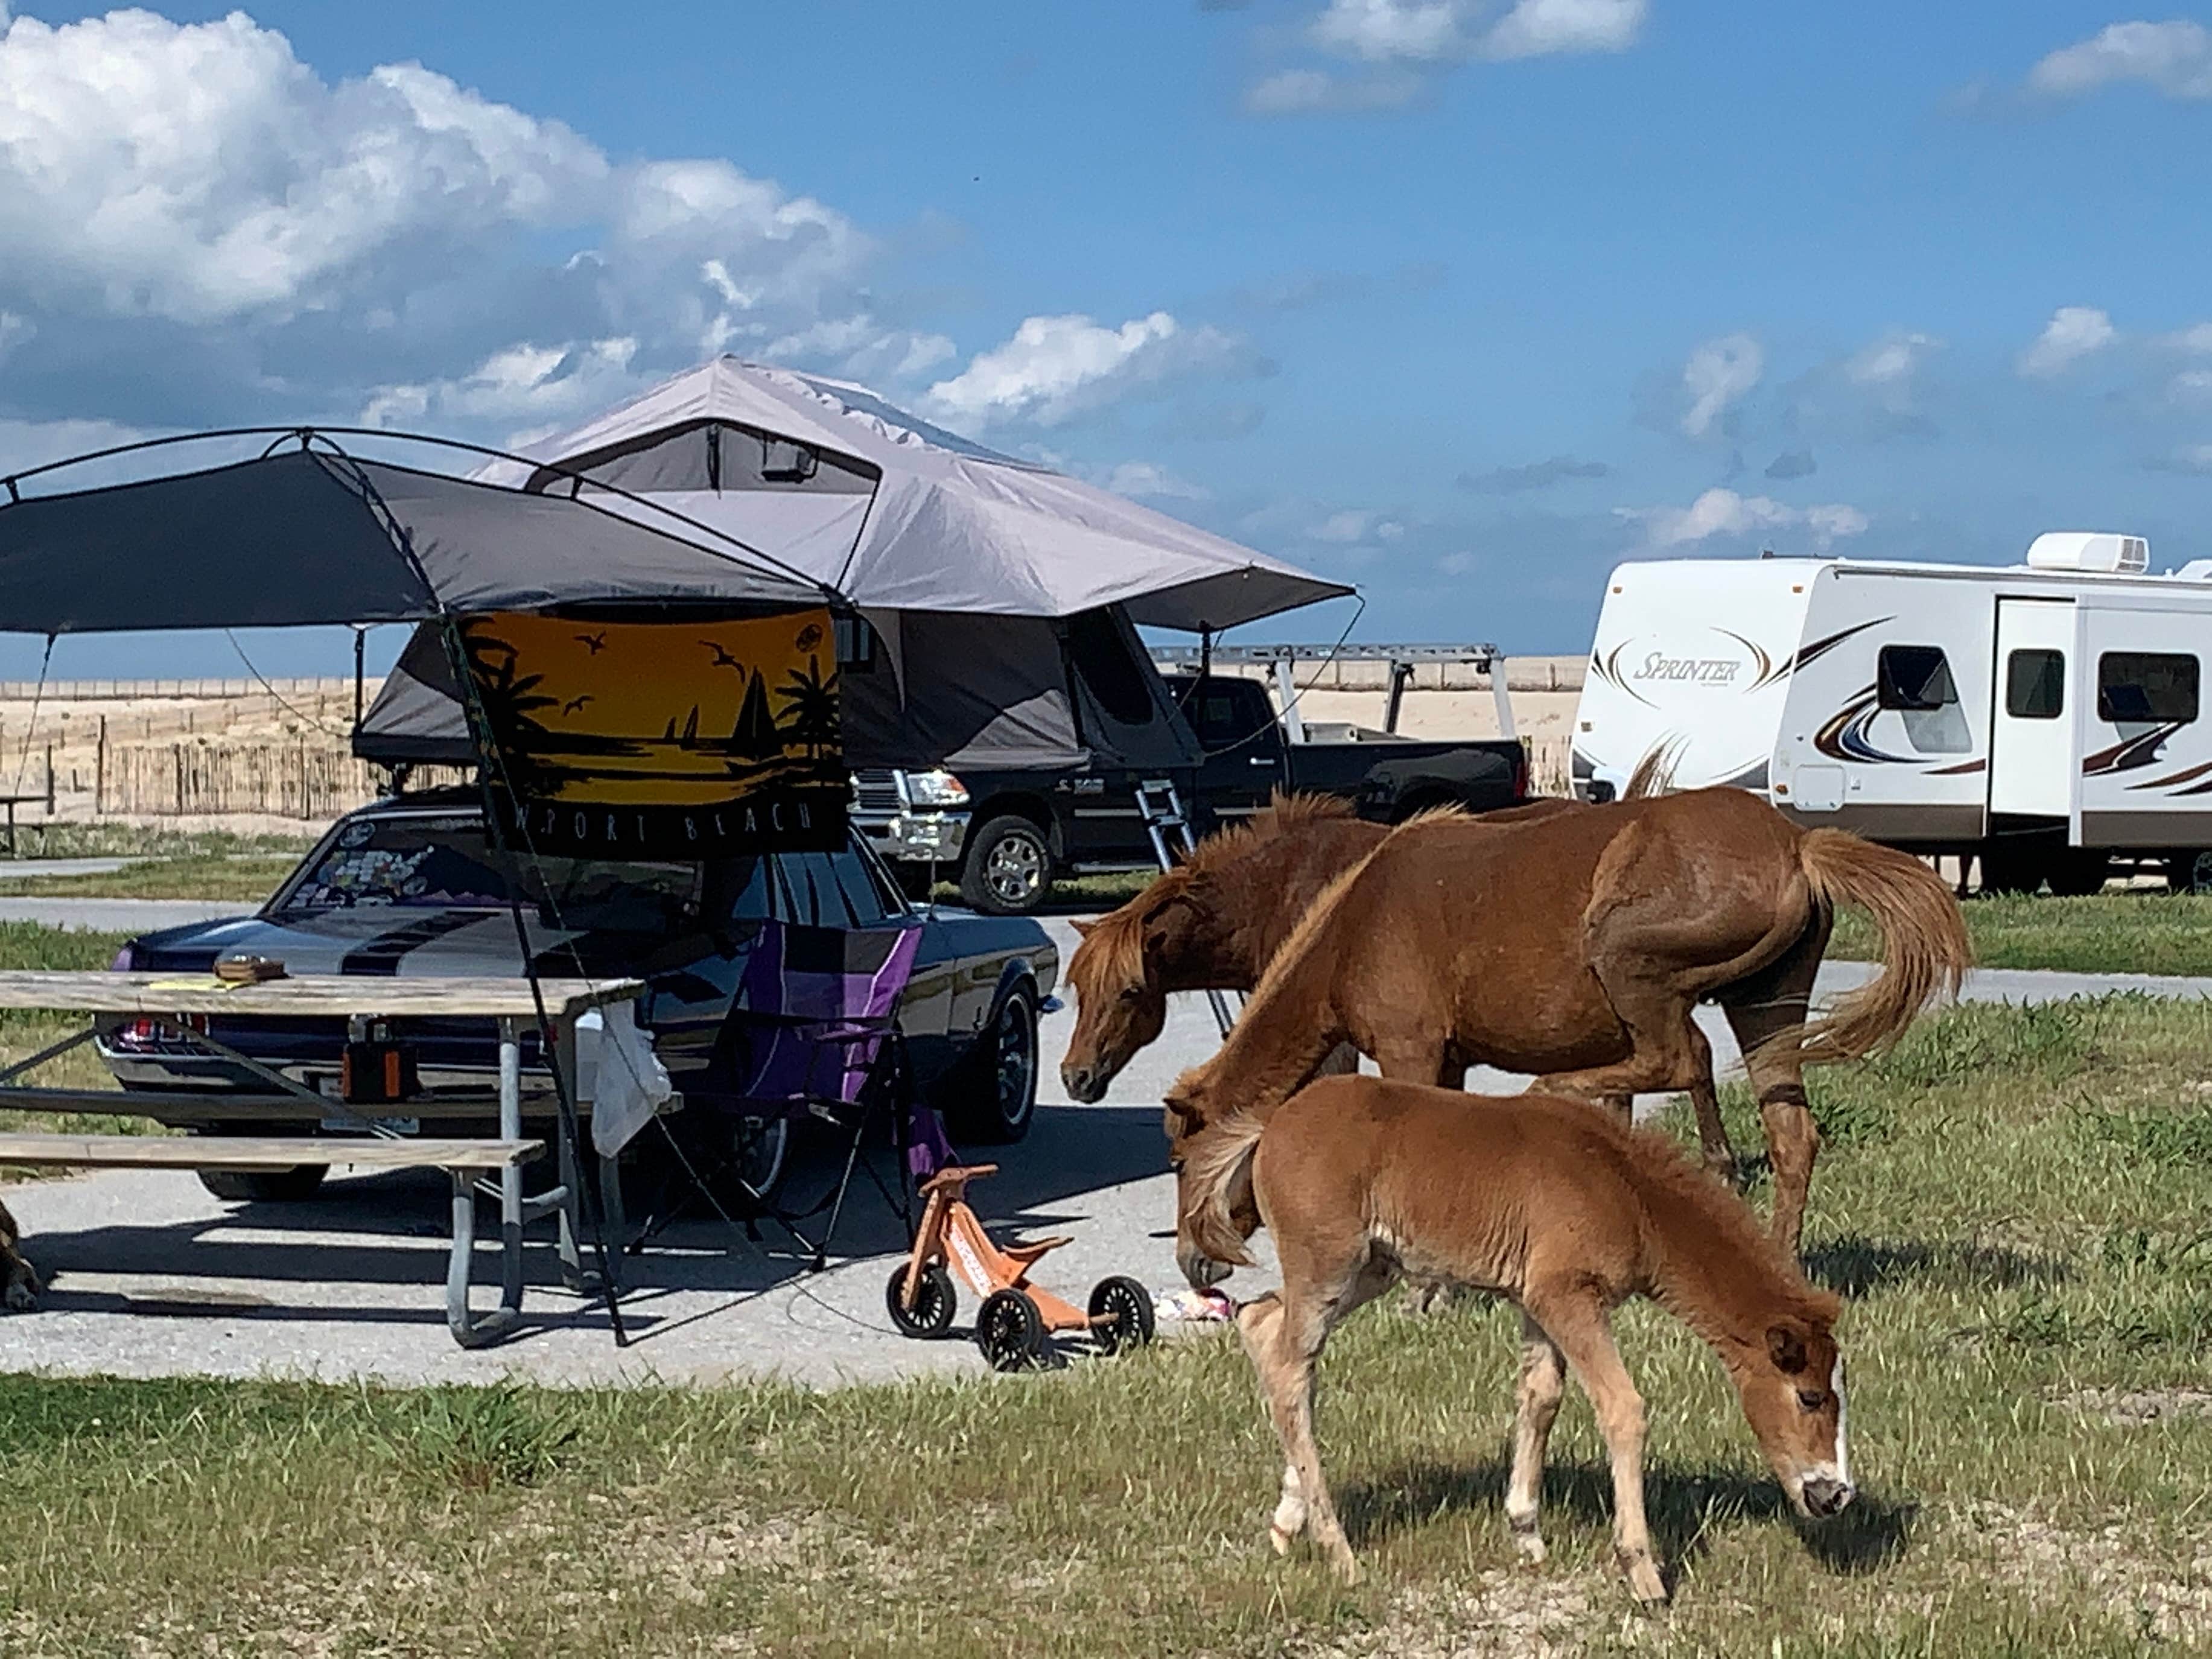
(248, 970)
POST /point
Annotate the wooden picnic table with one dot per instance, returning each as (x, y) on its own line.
(363, 1000)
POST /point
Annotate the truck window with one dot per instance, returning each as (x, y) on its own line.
(1916, 681)
(2147, 687)
(2035, 685)
(1224, 713)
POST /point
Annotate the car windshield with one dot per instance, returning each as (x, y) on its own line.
(444, 863)
(440, 861)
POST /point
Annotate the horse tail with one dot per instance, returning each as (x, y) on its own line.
(1214, 1163)
(1924, 948)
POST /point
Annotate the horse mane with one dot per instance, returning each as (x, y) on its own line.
(1113, 952)
(1676, 1190)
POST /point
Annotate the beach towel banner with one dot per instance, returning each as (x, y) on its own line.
(663, 739)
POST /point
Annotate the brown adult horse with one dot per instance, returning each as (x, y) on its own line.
(1564, 1210)
(1213, 923)
(1576, 948)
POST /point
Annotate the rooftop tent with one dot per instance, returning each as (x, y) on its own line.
(897, 514)
(975, 570)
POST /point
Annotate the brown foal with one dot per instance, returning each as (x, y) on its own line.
(19, 1280)
(1561, 1209)
(1577, 949)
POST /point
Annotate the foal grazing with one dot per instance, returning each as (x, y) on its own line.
(1558, 1206)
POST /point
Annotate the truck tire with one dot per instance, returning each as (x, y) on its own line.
(995, 1099)
(2188, 872)
(1008, 869)
(265, 1185)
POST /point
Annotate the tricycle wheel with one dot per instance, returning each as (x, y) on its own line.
(1121, 1314)
(1010, 1331)
(934, 1301)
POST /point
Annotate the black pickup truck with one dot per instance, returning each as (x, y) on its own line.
(1005, 834)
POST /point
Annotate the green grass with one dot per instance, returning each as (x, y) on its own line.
(109, 839)
(248, 878)
(2017, 1202)
(2116, 933)
(24, 1032)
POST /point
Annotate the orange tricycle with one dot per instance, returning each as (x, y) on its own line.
(1015, 1316)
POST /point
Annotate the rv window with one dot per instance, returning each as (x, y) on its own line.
(1914, 677)
(2035, 685)
(2146, 688)
(1916, 681)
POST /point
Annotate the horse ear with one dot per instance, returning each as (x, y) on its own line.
(1082, 929)
(1785, 1346)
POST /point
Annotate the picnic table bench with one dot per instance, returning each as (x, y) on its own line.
(363, 1000)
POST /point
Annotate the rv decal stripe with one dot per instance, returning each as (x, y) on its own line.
(2128, 753)
(1845, 736)
(1813, 653)
(1760, 661)
(1959, 770)
(2168, 781)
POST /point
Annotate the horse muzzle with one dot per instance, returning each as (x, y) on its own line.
(1202, 1272)
(1823, 1496)
(1085, 1085)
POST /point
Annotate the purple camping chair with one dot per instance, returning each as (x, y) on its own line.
(814, 1032)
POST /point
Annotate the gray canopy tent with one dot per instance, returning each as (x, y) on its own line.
(1000, 597)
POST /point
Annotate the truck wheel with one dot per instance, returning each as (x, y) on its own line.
(996, 1099)
(1008, 870)
(265, 1186)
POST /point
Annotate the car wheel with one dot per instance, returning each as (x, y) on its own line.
(760, 1152)
(999, 1098)
(265, 1186)
(2188, 872)
(1008, 869)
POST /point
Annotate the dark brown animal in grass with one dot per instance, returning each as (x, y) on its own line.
(19, 1280)
(1576, 948)
(1564, 1210)
(1213, 923)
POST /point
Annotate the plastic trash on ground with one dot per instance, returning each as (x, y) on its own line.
(1189, 1307)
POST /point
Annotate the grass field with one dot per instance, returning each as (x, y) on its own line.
(246, 877)
(23, 945)
(2018, 1203)
(2114, 933)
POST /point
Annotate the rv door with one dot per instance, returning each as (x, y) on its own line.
(2032, 714)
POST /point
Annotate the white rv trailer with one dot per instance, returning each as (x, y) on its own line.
(2046, 717)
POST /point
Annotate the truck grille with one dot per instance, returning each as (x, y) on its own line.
(876, 791)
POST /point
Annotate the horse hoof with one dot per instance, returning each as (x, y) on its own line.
(22, 1298)
(1279, 1539)
(1533, 1552)
(1645, 1583)
(1346, 1568)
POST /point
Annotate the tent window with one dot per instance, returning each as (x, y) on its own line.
(1102, 655)
(2146, 688)
(1915, 680)
(2035, 685)
(856, 645)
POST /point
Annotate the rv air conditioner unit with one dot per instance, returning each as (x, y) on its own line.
(2083, 549)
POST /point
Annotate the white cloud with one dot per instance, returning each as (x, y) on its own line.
(2190, 458)
(1144, 479)
(1717, 376)
(1723, 512)
(2073, 333)
(351, 241)
(1352, 528)
(2174, 59)
(2195, 340)
(1892, 361)
(1313, 92)
(1456, 31)
(1055, 368)
(542, 386)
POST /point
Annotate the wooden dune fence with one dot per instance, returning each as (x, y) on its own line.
(313, 781)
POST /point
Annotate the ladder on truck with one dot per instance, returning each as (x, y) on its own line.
(1159, 803)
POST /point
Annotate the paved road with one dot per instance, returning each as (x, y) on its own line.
(117, 915)
(151, 1276)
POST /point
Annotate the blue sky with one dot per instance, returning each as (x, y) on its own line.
(1460, 299)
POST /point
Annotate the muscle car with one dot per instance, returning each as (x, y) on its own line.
(411, 885)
